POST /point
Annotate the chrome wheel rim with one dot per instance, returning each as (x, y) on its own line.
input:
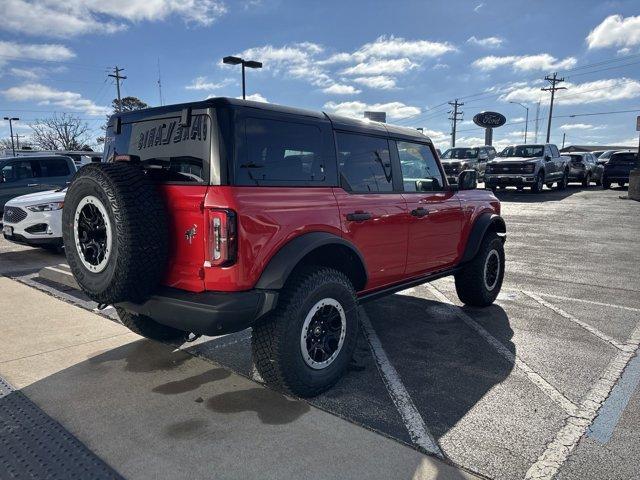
(491, 270)
(323, 333)
(92, 233)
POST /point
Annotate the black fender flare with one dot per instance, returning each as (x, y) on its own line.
(478, 231)
(281, 265)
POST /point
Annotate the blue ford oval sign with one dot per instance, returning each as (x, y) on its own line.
(489, 119)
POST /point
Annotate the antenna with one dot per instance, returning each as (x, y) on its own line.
(160, 84)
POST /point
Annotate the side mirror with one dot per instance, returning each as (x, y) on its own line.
(427, 185)
(468, 180)
(547, 158)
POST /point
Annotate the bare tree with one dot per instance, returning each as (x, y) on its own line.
(5, 143)
(60, 132)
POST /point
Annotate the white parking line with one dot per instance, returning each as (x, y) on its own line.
(586, 326)
(557, 452)
(546, 388)
(592, 302)
(412, 419)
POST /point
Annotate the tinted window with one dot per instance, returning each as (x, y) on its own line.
(170, 152)
(554, 151)
(461, 153)
(281, 151)
(365, 164)
(420, 172)
(526, 151)
(16, 171)
(54, 167)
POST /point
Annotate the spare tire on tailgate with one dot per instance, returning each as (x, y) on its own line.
(115, 232)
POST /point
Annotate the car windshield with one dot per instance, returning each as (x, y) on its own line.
(623, 158)
(607, 154)
(576, 158)
(527, 151)
(461, 153)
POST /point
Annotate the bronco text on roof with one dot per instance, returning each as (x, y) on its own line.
(215, 216)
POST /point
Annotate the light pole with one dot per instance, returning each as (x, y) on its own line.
(12, 119)
(244, 63)
(526, 121)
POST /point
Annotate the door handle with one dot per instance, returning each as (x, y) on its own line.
(33, 184)
(358, 216)
(420, 212)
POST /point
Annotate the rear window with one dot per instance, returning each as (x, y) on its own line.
(54, 167)
(170, 152)
(280, 152)
(623, 158)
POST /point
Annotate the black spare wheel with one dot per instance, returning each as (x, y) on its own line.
(115, 232)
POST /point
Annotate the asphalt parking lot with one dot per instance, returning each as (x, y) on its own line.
(542, 384)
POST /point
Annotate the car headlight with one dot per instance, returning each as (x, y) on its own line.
(529, 168)
(46, 207)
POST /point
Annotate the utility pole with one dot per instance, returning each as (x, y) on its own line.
(455, 115)
(537, 120)
(553, 80)
(118, 77)
(18, 141)
(11, 120)
(564, 135)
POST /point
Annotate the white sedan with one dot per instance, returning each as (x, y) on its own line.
(35, 219)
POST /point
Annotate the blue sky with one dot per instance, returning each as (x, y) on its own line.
(405, 57)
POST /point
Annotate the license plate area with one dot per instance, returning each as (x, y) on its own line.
(7, 230)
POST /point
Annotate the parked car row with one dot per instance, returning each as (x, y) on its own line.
(537, 165)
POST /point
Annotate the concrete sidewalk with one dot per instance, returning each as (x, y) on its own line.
(153, 412)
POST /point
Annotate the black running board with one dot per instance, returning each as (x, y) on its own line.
(408, 284)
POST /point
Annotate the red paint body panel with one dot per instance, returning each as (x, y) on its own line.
(184, 210)
(268, 218)
(382, 241)
(395, 245)
(433, 239)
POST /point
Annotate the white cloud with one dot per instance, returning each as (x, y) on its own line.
(390, 46)
(478, 7)
(577, 126)
(381, 82)
(76, 17)
(542, 61)
(341, 57)
(615, 31)
(256, 97)
(44, 95)
(34, 51)
(517, 119)
(28, 73)
(201, 83)
(340, 89)
(394, 110)
(440, 66)
(606, 90)
(379, 67)
(488, 42)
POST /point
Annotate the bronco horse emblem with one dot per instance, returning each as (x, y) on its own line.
(190, 233)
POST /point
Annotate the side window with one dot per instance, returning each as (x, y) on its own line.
(281, 151)
(554, 151)
(547, 151)
(492, 153)
(54, 167)
(16, 171)
(420, 170)
(364, 162)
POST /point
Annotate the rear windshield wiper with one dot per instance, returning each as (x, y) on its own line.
(251, 165)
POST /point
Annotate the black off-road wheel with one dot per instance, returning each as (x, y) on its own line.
(480, 281)
(305, 345)
(148, 328)
(115, 232)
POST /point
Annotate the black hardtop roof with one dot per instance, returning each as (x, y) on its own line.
(340, 122)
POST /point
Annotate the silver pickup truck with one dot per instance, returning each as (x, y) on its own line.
(528, 166)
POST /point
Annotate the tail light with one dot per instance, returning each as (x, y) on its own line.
(222, 238)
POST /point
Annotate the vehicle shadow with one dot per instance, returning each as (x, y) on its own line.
(446, 367)
(28, 260)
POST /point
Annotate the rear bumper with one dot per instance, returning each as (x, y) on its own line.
(206, 313)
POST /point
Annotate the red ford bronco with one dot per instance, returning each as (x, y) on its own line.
(215, 216)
